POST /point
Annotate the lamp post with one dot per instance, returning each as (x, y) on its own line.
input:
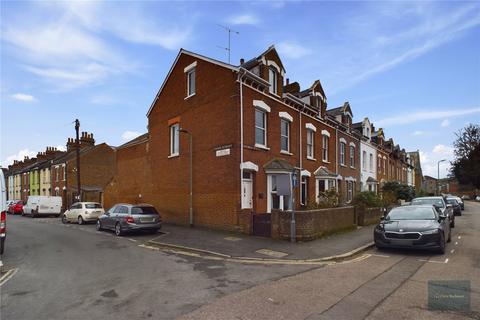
(191, 174)
(438, 174)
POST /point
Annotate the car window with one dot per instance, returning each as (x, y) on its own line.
(93, 205)
(411, 213)
(432, 201)
(121, 209)
(144, 210)
(117, 209)
(111, 210)
(452, 201)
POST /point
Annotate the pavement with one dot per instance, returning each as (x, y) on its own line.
(235, 245)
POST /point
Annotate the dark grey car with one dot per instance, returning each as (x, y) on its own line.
(124, 217)
(440, 203)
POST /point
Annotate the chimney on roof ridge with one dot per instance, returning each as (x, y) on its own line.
(242, 61)
(288, 81)
(87, 140)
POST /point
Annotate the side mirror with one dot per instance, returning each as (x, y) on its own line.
(442, 217)
(382, 218)
(449, 206)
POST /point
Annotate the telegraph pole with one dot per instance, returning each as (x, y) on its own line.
(77, 147)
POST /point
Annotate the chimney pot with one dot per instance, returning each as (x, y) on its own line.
(288, 81)
(242, 61)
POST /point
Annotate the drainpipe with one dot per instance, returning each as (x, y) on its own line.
(241, 140)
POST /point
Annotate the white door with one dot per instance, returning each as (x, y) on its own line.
(247, 193)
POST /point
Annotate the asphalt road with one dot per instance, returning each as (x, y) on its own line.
(75, 272)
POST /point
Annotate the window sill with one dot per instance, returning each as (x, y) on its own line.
(352, 167)
(311, 159)
(173, 155)
(261, 146)
(188, 97)
(325, 161)
(342, 165)
(286, 153)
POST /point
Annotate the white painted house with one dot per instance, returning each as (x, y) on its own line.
(368, 156)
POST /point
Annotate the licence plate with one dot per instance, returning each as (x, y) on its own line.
(402, 242)
(146, 220)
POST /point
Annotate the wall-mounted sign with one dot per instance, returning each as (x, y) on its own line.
(222, 152)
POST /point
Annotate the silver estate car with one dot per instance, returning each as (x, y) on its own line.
(124, 217)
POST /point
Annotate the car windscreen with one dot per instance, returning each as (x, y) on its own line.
(93, 206)
(452, 201)
(411, 213)
(144, 210)
(436, 202)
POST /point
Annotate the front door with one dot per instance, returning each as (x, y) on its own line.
(247, 192)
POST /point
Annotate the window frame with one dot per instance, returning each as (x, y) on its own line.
(352, 156)
(311, 144)
(371, 162)
(174, 132)
(364, 160)
(263, 129)
(303, 190)
(342, 153)
(191, 74)
(325, 142)
(273, 82)
(285, 136)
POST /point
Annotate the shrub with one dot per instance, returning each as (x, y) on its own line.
(367, 199)
(401, 191)
(327, 199)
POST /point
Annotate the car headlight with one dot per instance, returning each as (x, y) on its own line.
(434, 231)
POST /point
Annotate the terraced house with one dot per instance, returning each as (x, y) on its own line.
(255, 136)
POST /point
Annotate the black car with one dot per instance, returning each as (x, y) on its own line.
(420, 226)
(457, 208)
(124, 217)
(439, 203)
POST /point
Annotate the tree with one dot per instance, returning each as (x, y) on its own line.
(399, 191)
(466, 166)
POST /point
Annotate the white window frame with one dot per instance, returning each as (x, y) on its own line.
(174, 130)
(287, 136)
(272, 80)
(303, 190)
(371, 162)
(352, 156)
(343, 147)
(349, 191)
(325, 142)
(191, 75)
(364, 160)
(311, 144)
(264, 128)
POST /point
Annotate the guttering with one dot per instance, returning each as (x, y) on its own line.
(253, 77)
(241, 134)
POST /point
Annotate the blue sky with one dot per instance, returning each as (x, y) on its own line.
(412, 67)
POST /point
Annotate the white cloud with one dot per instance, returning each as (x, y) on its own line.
(243, 19)
(418, 133)
(23, 97)
(430, 161)
(61, 148)
(425, 115)
(129, 135)
(445, 123)
(20, 155)
(292, 50)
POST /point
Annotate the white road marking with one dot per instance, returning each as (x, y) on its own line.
(456, 243)
(433, 261)
(459, 237)
(380, 255)
(7, 276)
(446, 260)
(452, 251)
(133, 240)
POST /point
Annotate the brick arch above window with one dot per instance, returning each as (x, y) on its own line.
(286, 116)
(325, 133)
(343, 140)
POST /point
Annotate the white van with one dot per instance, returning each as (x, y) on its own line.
(43, 205)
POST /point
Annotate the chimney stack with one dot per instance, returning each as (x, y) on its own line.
(70, 144)
(242, 61)
(87, 140)
(288, 81)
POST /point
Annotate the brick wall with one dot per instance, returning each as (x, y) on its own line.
(312, 224)
(368, 216)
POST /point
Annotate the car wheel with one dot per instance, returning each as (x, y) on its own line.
(441, 244)
(449, 236)
(64, 219)
(118, 229)
(452, 223)
(80, 220)
(99, 226)
(32, 214)
(2, 245)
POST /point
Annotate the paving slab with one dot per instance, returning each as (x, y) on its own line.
(239, 245)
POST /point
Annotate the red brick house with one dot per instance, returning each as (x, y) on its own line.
(251, 136)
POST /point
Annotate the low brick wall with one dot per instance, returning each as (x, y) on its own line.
(367, 216)
(312, 224)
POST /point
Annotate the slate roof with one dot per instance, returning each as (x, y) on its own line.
(278, 164)
(324, 172)
(140, 139)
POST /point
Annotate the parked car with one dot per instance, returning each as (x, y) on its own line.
(438, 202)
(82, 212)
(417, 226)
(16, 207)
(43, 205)
(465, 197)
(477, 198)
(460, 202)
(3, 212)
(457, 209)
(124, 217)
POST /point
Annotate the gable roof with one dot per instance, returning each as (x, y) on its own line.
(192, 54)
(256, 60)
(140, 139)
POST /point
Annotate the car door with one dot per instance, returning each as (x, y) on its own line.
(121, 213)
(72, 212)
(107, 219)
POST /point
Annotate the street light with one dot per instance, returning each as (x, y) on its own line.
(438, 174)
(191, 174)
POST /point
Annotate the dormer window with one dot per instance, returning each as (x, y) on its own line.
(368, 132)
(272, 80)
